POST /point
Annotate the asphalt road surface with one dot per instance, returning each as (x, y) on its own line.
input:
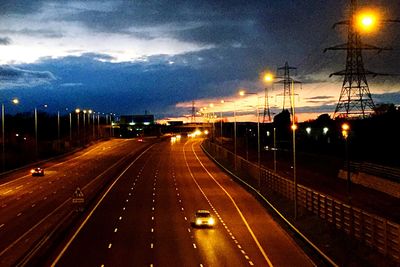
(144, 218)
(30, 207)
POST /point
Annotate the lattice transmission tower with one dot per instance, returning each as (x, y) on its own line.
(193, 113)
(288, 82)
(355, 98)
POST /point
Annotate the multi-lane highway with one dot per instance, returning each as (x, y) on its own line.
(31, 207)
(144, 218)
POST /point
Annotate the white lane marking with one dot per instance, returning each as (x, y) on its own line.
(1, 225)
(18, 187)
(44, 198)
(251, 263)
(230, 197)
(115, 230)
(185, 218)
(94, 208)
(194, 245)
(19, 214)
(152, 218)
(151, 245)
(189, 230)
(152, 230)
(109, 245)
(33, 205)
(7, 191)
(152, 208)
(120, 218)
(243, 252)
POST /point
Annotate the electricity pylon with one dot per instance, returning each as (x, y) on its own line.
(288, 83)
(193, 113)
(355, 98)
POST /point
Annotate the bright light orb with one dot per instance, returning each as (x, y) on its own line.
(268, 77)
(366, 21)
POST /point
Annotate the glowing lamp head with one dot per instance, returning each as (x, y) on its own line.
(242, 92)
(77, 110)
(15, 101)
(268, 77)
(345, 127)
(366, 21)
(293, 127)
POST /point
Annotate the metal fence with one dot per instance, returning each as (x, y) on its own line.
(376, 232)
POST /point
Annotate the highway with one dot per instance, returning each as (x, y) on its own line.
(144, 218)
(30, 206)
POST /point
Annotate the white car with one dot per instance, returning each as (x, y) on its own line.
(203, 218)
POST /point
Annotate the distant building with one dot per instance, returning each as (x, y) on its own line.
(136, 125)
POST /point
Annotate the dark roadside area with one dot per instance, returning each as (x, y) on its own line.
(319, 172)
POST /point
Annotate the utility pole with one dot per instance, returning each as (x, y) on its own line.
(355, 98)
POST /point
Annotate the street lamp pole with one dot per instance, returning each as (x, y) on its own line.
(222, 138)
(274, 149)
(345, 133)
(36, 133)
(294, 127)
(234, 128)
(84, 127)
(70, 127)
(77, 111)
(242, 93)
(3, 138)
(58, 130)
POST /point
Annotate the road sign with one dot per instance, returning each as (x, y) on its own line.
(78, 196)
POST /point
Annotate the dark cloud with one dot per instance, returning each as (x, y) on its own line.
(11, 77)
(245, 38)
(5, 41)
(19, 6)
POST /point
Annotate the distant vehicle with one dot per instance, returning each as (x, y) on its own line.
(37, 172)
(140, 140)
(203, 218)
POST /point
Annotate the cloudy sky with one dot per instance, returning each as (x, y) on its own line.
(126, 57)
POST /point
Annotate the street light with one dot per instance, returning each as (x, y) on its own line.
(345, 134)
(15, 101)
(78, 111)
(366, 20)
(242, 93)
(294, 128)
(234, 127)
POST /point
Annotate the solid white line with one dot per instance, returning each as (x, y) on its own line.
(94, 208)
(233, 202)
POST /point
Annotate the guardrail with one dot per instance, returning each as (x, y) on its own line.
(390, 173)
(376, 232)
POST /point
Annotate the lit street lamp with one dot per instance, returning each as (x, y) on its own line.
(242, 93)
(345, 133)
(294, 128)
(78, 111)
(15, 101)
(234, 128)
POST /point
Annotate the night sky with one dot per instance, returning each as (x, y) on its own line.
(128, 57)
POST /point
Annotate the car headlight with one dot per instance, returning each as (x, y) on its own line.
(198, 222)
(211, 221)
